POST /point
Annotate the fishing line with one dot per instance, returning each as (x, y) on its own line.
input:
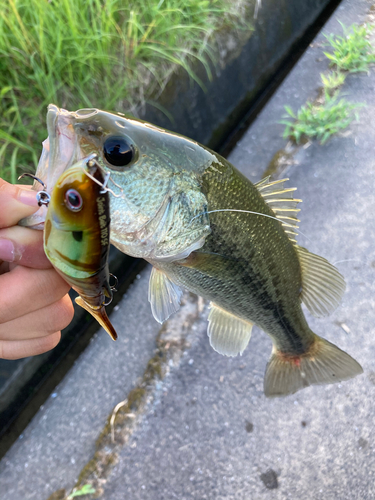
(250, 212)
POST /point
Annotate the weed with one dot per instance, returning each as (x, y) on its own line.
(328, 115)
(86, 489)
(352, 52)
(333, 80)
(320, 121)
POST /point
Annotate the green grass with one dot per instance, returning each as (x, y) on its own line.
(90, 53)
(353, 51)
(333, 80)
(319, 121)
(329, 114)
(86, 489)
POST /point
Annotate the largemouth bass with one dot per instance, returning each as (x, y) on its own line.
(76, 236)
(206, 228)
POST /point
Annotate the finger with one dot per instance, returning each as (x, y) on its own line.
(15, 349)
(4, 267)
(15, 203)
(24, 290)
(23, 246)
(39, 323)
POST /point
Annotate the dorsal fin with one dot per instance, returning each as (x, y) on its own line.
(163, 295)
(229, 335)
(322, 284)
(282, 203)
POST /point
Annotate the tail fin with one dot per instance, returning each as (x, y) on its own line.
(100, 315)
(324, 363)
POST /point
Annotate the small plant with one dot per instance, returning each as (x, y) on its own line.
(352, 52)
(86, 489)
(320, 121)
(328, 114)
(333, 80)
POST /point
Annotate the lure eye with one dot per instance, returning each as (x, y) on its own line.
(73, 200)
(117, 151)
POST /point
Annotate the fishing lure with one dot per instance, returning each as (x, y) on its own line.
(76, 235)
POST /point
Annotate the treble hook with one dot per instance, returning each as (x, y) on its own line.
(92, 162)
(27, 174)
(42, 197)
(113, 287)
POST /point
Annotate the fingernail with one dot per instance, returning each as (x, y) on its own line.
(27, 197)
(8, 251)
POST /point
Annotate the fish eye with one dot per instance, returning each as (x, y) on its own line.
(117, 151)
(73, 200)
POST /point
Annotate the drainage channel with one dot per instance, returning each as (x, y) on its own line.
(38, 377)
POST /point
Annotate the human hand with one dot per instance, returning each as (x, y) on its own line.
(34, 304)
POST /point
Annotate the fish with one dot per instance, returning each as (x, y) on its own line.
(208, 229)
(76, 236)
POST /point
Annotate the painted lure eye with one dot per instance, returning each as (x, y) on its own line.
(73, 200)
(117, 151)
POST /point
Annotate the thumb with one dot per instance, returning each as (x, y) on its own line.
(16, 202)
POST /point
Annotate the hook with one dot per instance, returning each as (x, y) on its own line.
(105, 304)
(113, 287)
(91, 162)
(26, 174)
(42, 197)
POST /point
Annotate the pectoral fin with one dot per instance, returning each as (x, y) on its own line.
(100, 315)
(163, 295)
(322, 284)
(229, 335)
(211, 264)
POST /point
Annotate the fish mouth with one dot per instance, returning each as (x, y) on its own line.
(63, 146)
(60, 150)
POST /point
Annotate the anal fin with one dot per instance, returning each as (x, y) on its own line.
(229, 335)
(163, 295)
(323, 363)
